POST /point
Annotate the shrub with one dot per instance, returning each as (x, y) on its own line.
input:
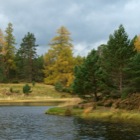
(15, 81)
(68, 112)
(26, 89)
(124, 95)
(4, 80)
(11, 90)
(33, 83)
(59, 86)
(68, 89)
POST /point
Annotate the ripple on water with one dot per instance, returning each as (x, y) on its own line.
(30, 123)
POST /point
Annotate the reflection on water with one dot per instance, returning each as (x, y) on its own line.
(93, 130)
(30, 123)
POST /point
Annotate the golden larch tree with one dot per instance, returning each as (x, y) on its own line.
(59, 60)
(137, 43)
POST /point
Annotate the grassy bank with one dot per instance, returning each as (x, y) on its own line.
(39, 92)
(98, 114)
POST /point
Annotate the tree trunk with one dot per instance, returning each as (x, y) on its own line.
(96, 97)
(120, 81)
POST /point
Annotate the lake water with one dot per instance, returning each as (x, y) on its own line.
(30, 123)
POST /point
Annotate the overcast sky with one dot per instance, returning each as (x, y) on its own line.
(89, 21)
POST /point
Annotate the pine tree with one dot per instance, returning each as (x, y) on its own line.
(133, 69)
(25, 57)
(133, 75)
(116, 56)
(89, 78)
(38, 69)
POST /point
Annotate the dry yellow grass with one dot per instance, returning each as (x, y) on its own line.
(39, 92)
(100, 114)
(71, 102)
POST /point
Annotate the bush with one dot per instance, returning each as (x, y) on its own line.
(15, 81)
(68, 89)
(68, 112)
(124, 95)
(11, 90)
(59, 86)
(26, 89)
(33, 83)
(4, 80)
(14, 91)
(115, 95)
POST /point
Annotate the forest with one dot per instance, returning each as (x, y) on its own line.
(111, 70)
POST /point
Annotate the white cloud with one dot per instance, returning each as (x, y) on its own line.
(42, 50)
(132, 5)
(84, 48)
(3, 21)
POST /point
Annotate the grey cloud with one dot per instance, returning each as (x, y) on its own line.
(89, 22)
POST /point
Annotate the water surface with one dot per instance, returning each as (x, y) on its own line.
(30, 123)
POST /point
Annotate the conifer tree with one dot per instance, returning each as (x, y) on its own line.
(133, 69)
(116, 55)
(59, 61)
(25, 57)
(133, 75)
(9, 50)
(137, 43)
(89, 78)
(2, 55)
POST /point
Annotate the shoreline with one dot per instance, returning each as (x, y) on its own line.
(110, 115)
(36, 101)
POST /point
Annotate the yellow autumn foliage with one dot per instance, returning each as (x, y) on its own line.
(137, 43)
(3, 44)
(59, 60)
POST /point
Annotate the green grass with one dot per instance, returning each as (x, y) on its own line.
(119, 116)
(38, 91)
(62, 111)
(56, 111)
(102, 115)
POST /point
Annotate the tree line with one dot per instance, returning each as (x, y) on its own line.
(23, 64)
(19, 65)
(112, 70)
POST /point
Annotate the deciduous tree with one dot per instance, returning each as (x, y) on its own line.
(9, 51)
(2, 55)
(59, 61)
(137, 43)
